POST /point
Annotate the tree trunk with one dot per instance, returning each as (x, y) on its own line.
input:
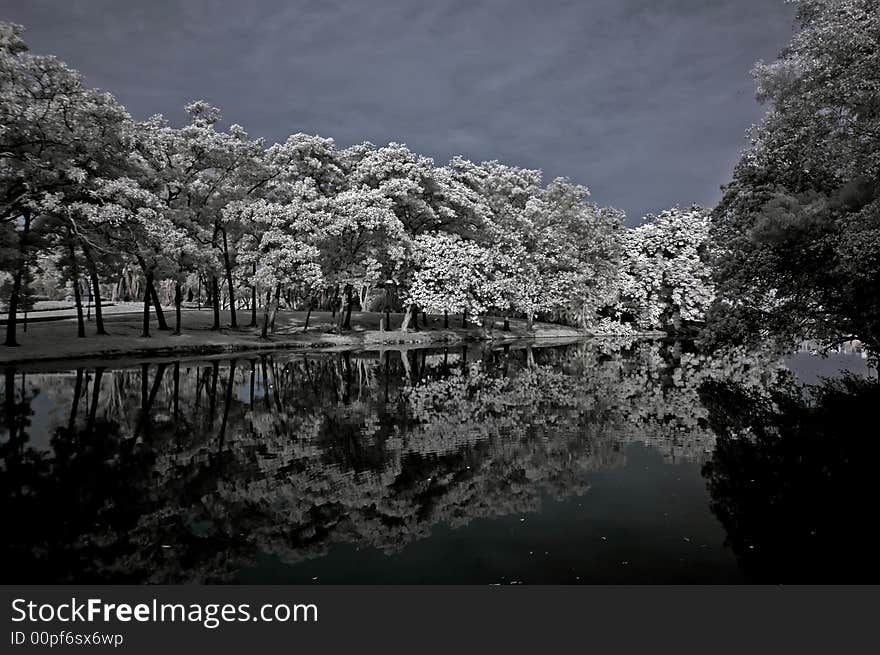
(233, 320)
(276, 308)
(407, 317)
(333, 302)
(77, 300)
(346, 325)
(147, 288)
(271, 308)
(487, 324)
(96, 292)
(77, 295)
(178, 301)
(254, 300)
(215, 301)
(16, 285)
(264, 333)
(530, 321)
(445, 319)
(133, 285)
(160, 315)
(464, 319)
(506, 327)
(339, 314)
(308, 316)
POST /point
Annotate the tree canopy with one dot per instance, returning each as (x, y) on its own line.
(94, 200)
(798, 228)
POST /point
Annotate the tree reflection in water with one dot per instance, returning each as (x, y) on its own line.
(791, 479)
(190, 471)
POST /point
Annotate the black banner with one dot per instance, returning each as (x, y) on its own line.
(430, 619)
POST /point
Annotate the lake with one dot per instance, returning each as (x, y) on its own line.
(590, 462)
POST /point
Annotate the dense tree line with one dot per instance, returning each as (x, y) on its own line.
(798, 229)
(96, 200)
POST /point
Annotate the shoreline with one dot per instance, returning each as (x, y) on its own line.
(330, 344)
(245, 351)
(56, 341)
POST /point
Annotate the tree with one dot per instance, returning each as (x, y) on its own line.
(283, 247)
(154, 207)
(560, 252)
(363, 243)
(798, 227)
(56, 136)
(423, 197)
(454, 275)
(195, 172)
(130, 219)
(664, 279)
(409, 181)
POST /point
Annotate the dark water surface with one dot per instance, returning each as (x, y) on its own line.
(589, 462)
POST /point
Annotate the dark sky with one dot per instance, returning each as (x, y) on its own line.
(644, 101)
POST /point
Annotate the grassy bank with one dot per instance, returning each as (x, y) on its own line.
(57, 340)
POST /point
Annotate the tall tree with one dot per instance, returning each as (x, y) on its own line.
(363, 244)
(798, 228)
(283, 247)
(195, 171)
(664, 279)
(454, 276)
(56, 136)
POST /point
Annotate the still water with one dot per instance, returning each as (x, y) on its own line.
(591, 462)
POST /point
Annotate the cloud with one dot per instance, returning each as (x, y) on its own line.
(645, 102)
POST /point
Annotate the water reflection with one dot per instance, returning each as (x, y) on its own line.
(184, 471)
(792, 481)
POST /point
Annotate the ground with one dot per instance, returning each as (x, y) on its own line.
(56, 339)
